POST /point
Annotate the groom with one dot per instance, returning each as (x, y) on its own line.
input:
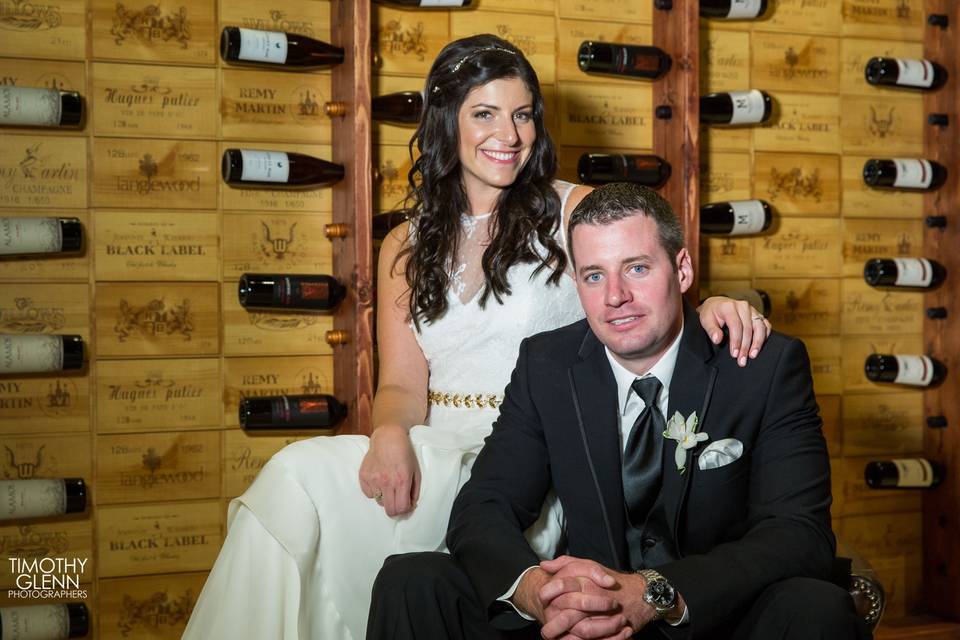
(696, 493)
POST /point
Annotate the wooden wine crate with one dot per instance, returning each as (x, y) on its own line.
(406, 42)
(807, 307)
(719, 138)
(36, 456)
(798, 184)
(155, 467)
(894, 19)
(244, 455)
(154, 607)
(393, 165)
(891, 425)
(155, 31)
(387, 133)
(71, 267)
(68, 76)
(883, 125)
(599, 116)
(155, 174)
(886, 311)
(309, 18)
(852, 496)
(830, 414)
(534, 35)
(571, 33)
(67, 537)
(158, 395)
(606, 11)
(51, 403)
(150, 319)
(257, 377)
(724, 176)
(271, 106)
(43, 172)
(855, 52)
(243, 199)
(44, 30)
(726, 257)
(157, 245)
(158, 538)
(802, 123)
(275, 243)
(800, 248)
(798, 63)
(861, 201)
(855, 352)
(819, 17)
(866, 239)
(724, 59)
(547, 7)
(46, 309)
(262, 333)
(138, 100)
(825, 364)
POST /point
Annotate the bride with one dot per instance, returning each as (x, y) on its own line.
(481, 265)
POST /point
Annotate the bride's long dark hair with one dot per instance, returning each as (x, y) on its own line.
(526, 213)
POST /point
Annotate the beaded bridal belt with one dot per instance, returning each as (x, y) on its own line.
(466, 400)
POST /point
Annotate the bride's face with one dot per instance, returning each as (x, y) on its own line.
(497, 133)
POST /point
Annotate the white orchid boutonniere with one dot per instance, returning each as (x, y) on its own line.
(685, 433)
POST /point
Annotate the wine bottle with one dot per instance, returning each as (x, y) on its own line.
(41, 498)
(403, 107)
(317, 411)
(276, 49)
(736, 107)
(599, 168)
(257, 169)
(35, 107)
(919, 273)
(757, 298)
(302, 292)
(905, 473)
(904, 72)
(904, 173)
(916, 371)
(26, 236)
(45, 622)
(426, 4)
(735, 218)
(623, 59)
(733, 9)
(39, 354)
(383, 223)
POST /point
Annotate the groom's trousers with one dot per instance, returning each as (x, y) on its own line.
(427, 596)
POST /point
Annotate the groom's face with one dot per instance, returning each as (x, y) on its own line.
(630, 288)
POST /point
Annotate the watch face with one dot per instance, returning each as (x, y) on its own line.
(660, 594)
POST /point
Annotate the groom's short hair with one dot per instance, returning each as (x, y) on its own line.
(619, 200)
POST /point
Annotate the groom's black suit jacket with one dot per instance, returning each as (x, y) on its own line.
(734, 530)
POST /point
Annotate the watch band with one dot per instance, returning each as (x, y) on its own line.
(651, 576)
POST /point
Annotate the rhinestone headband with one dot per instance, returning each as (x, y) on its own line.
(462, 60)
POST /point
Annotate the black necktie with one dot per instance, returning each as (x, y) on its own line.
(641, 457)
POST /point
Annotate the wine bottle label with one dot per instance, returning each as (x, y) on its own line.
(40, 622)
(913, 272)
(30, 354)
(747, 107)
(29, 107)
(265, 166)
(914, 472)
(744, 9)
(748, 217)
(263, 46)
(29, 235)
(914, 370)
(912, 173)
(32, 499)
(914, 73)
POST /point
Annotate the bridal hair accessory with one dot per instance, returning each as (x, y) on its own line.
(684, 431)
(462, 60)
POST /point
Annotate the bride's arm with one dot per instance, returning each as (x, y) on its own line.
(747, 327)
(390, 468)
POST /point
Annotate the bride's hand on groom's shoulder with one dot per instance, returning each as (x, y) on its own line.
(389, 473)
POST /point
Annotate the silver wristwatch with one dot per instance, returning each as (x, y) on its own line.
(659, 593)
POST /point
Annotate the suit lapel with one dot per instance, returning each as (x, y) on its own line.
(594, 392)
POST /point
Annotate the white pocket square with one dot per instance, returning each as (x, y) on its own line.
(720, 453)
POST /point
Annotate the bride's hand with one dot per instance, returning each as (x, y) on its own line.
(747, 327)
(389, 472)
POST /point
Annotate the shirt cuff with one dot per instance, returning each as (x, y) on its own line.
(684, 619)
(513, 588)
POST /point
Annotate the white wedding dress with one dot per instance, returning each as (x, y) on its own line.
(304, 544)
